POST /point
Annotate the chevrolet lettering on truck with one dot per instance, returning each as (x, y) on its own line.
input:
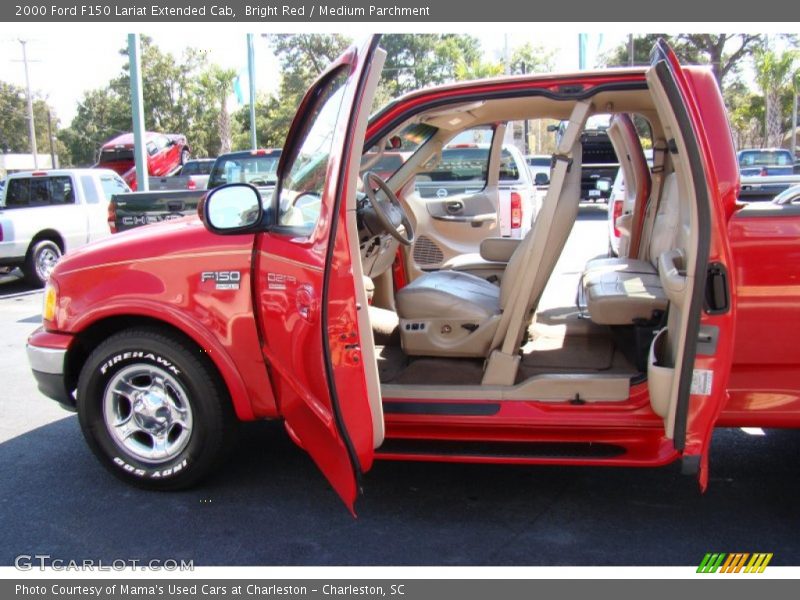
(346, 323)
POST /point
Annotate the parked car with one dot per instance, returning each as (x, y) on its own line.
(44, 214)
(789, 196)
(166, 154)
(193, 175)
(599, 162)
(262, 310)
(765, 162)
(256, 167)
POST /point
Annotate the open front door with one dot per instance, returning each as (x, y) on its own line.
(696, 347)
(307, 297)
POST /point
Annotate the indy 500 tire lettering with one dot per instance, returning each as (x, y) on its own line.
(153, 409)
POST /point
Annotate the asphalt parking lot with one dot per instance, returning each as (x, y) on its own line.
(270, 506)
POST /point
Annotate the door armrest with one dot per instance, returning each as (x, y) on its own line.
(498, 249)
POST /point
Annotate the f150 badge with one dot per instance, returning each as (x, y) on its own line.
(225, 280)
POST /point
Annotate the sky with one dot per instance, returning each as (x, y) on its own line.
(63, 65)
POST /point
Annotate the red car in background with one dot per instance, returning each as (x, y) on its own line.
(166, 153)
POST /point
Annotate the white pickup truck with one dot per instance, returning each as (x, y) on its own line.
(44, 214)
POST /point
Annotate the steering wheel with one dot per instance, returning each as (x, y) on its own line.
(390, 212)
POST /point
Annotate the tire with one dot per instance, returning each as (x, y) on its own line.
(40, 261)
(184, 156)
(153, 410)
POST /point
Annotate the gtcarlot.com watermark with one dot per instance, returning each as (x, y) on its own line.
(43, 562)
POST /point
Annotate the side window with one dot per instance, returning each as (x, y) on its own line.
(462, 168)
(89, 189)
(301, 186)
(18, 193)
(61, 190)
(509, 171)
(151, 148)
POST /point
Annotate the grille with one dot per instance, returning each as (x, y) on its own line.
(426, 252)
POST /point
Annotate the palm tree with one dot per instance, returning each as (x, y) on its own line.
(774, 71)
(218, 83)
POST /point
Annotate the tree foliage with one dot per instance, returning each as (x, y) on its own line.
(418, 60)
(724, 52)
(14, 135)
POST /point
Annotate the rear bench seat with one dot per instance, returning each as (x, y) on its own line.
(620, 291)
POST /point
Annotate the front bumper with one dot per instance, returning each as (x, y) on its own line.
(47, 354)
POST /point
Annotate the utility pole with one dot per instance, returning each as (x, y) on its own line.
(137, 110)
(31, 126)
(527, 124)
(630, 49)
(251, 72)
(50, 137)
(582, 51)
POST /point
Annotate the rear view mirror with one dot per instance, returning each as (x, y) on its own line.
(541, 179)
(232, 208)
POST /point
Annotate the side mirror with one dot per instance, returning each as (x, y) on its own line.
(232, 208)
(551, 128)
(541, 179)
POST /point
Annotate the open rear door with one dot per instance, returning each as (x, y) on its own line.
(307, 296)
(699, 283)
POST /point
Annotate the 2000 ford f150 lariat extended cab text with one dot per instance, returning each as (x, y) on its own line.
(308, 306)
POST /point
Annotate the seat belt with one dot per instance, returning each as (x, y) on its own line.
(501, 367)
(660, 153)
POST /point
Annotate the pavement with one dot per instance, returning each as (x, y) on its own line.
(270, 506)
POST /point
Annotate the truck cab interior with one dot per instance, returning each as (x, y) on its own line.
(485, 334)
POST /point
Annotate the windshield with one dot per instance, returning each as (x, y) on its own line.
(256, 169)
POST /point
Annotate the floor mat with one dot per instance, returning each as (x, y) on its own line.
(391, 362)
(397, 368)
(572, 353)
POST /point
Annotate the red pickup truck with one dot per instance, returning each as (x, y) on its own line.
(311, 306)
(166, 154)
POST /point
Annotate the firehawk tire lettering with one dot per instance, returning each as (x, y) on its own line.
(119, 421)
(139, 354)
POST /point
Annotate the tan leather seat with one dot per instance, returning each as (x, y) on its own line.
(453, 313)
(449, 293)
(619, 291)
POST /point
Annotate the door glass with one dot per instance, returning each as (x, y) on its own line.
(462, 169)
(303, 181)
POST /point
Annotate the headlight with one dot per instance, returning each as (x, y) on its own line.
(50, 302)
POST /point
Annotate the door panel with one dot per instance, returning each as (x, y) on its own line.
(307, 307)
(691, 105)
(455, 204)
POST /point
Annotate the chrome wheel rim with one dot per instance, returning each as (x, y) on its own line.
(45, 262)
(147, 413)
